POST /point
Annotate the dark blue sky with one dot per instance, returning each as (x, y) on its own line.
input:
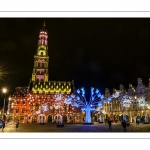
(98, 52)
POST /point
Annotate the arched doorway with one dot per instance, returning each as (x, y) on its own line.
(29, 119)
(22, 119)
(34, 118)
(49, 118)
(64, 118)
(138, 118)
(142, 119)
(42, 118)
(120, 118)
(95, 118)
(57, 117)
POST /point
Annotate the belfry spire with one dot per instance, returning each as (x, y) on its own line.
(41, 59)
(43, 36)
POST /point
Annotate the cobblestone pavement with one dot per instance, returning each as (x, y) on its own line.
(96, 127)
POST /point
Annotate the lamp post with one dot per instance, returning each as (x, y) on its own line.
(4, 91)
(8, 110)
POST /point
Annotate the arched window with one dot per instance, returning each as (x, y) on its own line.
(43, 65)
(49, 118)
(39, 64)
(23, 110)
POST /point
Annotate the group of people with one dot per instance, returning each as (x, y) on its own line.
(124, 125)
(3, 124)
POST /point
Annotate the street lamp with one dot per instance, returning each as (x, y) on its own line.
(4, 91)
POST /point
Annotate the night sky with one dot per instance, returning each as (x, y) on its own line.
(98, 52)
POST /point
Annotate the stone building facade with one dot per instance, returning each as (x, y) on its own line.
(115, 108)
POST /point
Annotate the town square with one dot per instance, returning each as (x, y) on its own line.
(54, 102)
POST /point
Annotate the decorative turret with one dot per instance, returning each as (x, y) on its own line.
(131, 90)
(148, 92)
(107, 93)
(140, 89)
(139, 81)
(149, 86)
(121, 87)
(122, 91)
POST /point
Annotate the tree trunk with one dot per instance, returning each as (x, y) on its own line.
(88, 115)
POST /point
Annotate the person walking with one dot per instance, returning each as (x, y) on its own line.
(109, 123)
(124, 125)
(17, 125)
(3, 124)
(138, 121)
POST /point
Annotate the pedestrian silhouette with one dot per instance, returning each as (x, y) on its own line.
(109, 124)
(124, 124)
(17, 125)
(137, 121)
(3, 124)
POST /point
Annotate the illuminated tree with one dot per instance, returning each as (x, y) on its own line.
(125, 100)
(141, 101)
(100, 111)
(148, 106)
(79, 100)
